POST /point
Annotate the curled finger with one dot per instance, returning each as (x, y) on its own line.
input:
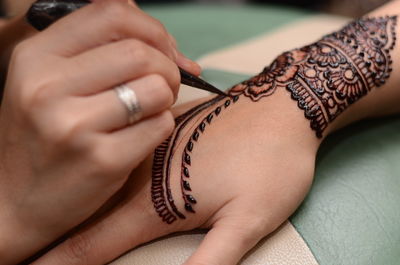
(117, 63)
(152, 95)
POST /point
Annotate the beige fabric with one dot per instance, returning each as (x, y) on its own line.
(187, 94)
(284, 247)
(255, 54)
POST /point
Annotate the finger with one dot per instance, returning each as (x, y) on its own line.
(183, 61)
(102, 22)
(138, 137)
(108, 238)
(133, 143)
(173, 41)
(224, 244)
(187, 64)
(108, 113)
(117, 63)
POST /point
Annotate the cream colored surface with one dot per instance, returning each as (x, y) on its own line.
(284, 247)
(187, 94)
(252, 56)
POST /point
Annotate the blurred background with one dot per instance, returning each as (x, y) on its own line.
(351, 8)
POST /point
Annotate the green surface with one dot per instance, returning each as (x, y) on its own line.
(200, 29)
(223, 80)
(352, 213)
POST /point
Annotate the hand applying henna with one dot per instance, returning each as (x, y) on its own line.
(240, 166)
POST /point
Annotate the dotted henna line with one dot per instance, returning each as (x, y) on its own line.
(162, 197)
(189, 200)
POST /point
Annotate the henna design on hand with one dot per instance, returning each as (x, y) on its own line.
(161, 191)
(325, 78)
(328, 76)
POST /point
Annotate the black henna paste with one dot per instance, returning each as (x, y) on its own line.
(167, 209)
(161, 191)
(324, 78)
(328, 76)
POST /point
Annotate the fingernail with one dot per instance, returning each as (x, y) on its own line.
(188, 65)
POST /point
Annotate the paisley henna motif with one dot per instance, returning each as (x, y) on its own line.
(325, 78)
(280, 71)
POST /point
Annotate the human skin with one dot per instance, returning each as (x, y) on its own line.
(14, 29)
(60, 119)
(250, 167)
(16, 7)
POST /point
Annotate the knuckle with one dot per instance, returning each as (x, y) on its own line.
(65, 130)
(159, 32)
(22, 51)
(162, 91)
(113, 14)
(114, 10)
(103, 160)
(40, 94)
(77, 249)
(138, 51)
(34, 95)
(165, 124)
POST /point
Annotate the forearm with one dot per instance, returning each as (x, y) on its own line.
(377, 92)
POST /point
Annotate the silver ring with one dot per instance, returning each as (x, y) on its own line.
(130, 100)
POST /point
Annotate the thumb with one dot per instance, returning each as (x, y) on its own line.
(225, 244)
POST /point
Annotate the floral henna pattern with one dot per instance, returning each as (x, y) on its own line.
(324, 78)
(283, 69)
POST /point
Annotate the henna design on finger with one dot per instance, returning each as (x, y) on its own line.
(324, 78)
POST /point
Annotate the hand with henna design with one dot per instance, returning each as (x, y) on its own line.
(241, 165)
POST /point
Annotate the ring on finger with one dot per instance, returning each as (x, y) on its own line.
(131, 102)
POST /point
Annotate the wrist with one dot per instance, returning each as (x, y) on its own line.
(294, 126)
(278, 114)
(282, 122)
